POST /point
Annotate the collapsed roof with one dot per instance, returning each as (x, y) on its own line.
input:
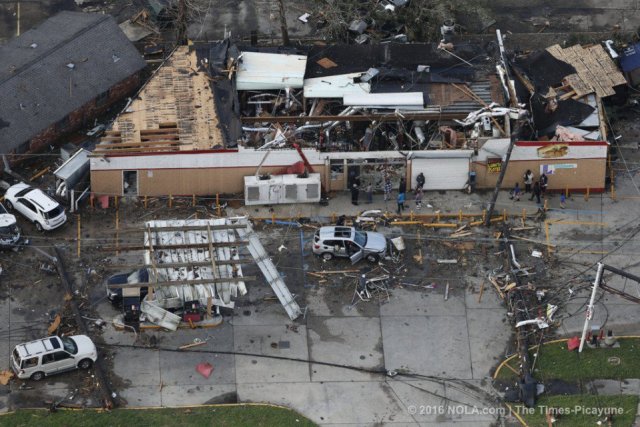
(200, 260)
(565, 88)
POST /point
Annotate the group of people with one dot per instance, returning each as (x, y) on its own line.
(388, 188)
(402, 191)
(537, 188)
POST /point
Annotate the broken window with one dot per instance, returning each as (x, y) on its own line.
(48, 358)
(30, 363)
(337, 170)
(130, 183)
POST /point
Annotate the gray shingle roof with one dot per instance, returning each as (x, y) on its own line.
(37, 88)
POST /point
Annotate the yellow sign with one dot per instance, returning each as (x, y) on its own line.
(494, 165)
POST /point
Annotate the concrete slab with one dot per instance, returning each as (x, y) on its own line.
(489, 333)
(180, 368)
(427, 345)
(137, 367)
(464, 406)
(265, 314)
(607, 387)
(192, 394)
(270, 341)
(459, 424)
(422, 400)
(219, 338)
(490, 298)
(630, 386)
(4, 402)
(333, 402)
(407, 302)
(336, 301)
(142, 396)
(352, 341)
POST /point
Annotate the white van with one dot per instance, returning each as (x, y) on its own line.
(47, 356)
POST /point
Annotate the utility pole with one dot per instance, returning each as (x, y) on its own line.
(514, 134)
(596, 283)
(283, 23)
(503, 171)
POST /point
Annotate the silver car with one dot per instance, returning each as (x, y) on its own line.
(347, 242)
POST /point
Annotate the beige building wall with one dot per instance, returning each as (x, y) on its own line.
(589, 173)
(160, 182)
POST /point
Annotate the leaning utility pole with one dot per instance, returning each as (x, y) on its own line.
(283, 23)
(503, 70)
(503, 171)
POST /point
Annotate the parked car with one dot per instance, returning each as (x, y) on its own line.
(47, 356)
(128, 299)
(35, 205)
(338, 241)
(9, 231)
(137, 276)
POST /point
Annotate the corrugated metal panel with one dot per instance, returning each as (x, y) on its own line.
(269, 270)
(270, 71)
(401, 99)
(74, 169)
(441, 174)
(334, 86)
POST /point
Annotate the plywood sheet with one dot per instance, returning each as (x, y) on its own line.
(595, 70)
(178, 98)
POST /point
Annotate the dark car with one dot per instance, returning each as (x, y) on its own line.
(130, 302)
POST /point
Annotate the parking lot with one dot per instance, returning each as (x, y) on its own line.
(259, 354)
(333, 365)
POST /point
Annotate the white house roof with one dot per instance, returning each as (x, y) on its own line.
(270, 71)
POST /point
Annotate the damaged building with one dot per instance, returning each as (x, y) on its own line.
(59, 76)
(217, 118)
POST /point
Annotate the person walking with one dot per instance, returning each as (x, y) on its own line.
(420, 180)
(387, 188)
(369, 191)
(528, 181)
(418, 198)
(402, 187)
(544, 181)
(516, 192)
(355, 191)
(401, 198)
(536, 192)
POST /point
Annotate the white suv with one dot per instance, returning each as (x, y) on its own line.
(340, 241)
(36, 206)
(47, 356)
